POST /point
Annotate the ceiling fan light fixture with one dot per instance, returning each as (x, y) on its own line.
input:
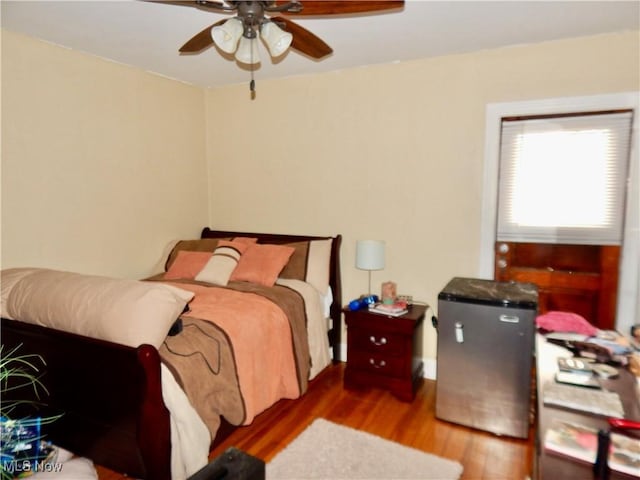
(227, 35)
(247, 51)
(276, 39)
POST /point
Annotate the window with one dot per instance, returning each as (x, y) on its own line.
(562, 179)
(629, 281)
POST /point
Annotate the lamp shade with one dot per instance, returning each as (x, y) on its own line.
(276, 39)
(248, 51)
(370, 254)
(227, 35)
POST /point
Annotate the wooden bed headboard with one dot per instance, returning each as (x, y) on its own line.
(334, 272)
(111, 394)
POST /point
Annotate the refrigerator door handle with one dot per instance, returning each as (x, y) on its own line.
(459, 334)
(509, 319)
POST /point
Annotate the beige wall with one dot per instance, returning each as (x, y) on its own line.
(392, 152)
(102, 164)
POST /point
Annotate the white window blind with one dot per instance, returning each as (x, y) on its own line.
(563, 179)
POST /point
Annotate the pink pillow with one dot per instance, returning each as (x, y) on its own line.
(262, 263)
(187, 265)
(245, 240)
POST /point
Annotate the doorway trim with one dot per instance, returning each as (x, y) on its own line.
(628, 286)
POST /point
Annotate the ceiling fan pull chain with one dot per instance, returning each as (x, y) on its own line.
(252, 83)
(252, 86)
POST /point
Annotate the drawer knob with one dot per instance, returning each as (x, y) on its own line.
(380, 364)
(382, 341)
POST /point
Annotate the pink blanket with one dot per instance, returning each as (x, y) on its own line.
(262, 345)
(242, 348)
(565, 322)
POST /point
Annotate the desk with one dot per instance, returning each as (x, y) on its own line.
(549, 466)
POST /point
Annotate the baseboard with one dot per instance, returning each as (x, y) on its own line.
(429, 368)
(343, 352)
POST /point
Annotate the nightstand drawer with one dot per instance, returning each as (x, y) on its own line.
(377, 343)
(378, 364)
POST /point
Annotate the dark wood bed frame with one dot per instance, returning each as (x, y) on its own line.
(110, 394)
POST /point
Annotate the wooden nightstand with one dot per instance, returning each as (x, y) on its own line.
(384, 351)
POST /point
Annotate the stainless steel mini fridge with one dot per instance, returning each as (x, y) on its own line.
(485, 350)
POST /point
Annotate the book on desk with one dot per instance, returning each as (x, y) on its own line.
(581, 442)
(594, 408)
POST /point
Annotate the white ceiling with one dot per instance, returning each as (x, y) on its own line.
(148, 35)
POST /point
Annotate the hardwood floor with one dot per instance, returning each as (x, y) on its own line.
(483, 455)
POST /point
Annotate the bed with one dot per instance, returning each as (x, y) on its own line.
(115, 411)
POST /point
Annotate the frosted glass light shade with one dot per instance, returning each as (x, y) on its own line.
(248, 51)
(370, 254)
(227, 35)
(276, 39)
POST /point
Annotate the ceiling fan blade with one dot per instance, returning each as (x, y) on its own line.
(205, 5)
(329, 7)
(303, 40)
(201, 40)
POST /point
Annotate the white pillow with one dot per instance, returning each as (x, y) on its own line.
(130, 312)
(222, 263)
(8, 278)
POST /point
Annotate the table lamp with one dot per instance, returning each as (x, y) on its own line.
(370, 256)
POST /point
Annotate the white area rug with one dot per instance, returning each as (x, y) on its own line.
(329, 451)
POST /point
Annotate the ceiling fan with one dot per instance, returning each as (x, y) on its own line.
(239, 34)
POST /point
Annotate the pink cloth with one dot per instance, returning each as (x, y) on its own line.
(262, 344)
(565, 322)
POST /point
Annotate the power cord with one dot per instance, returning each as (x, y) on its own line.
(434, 319)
